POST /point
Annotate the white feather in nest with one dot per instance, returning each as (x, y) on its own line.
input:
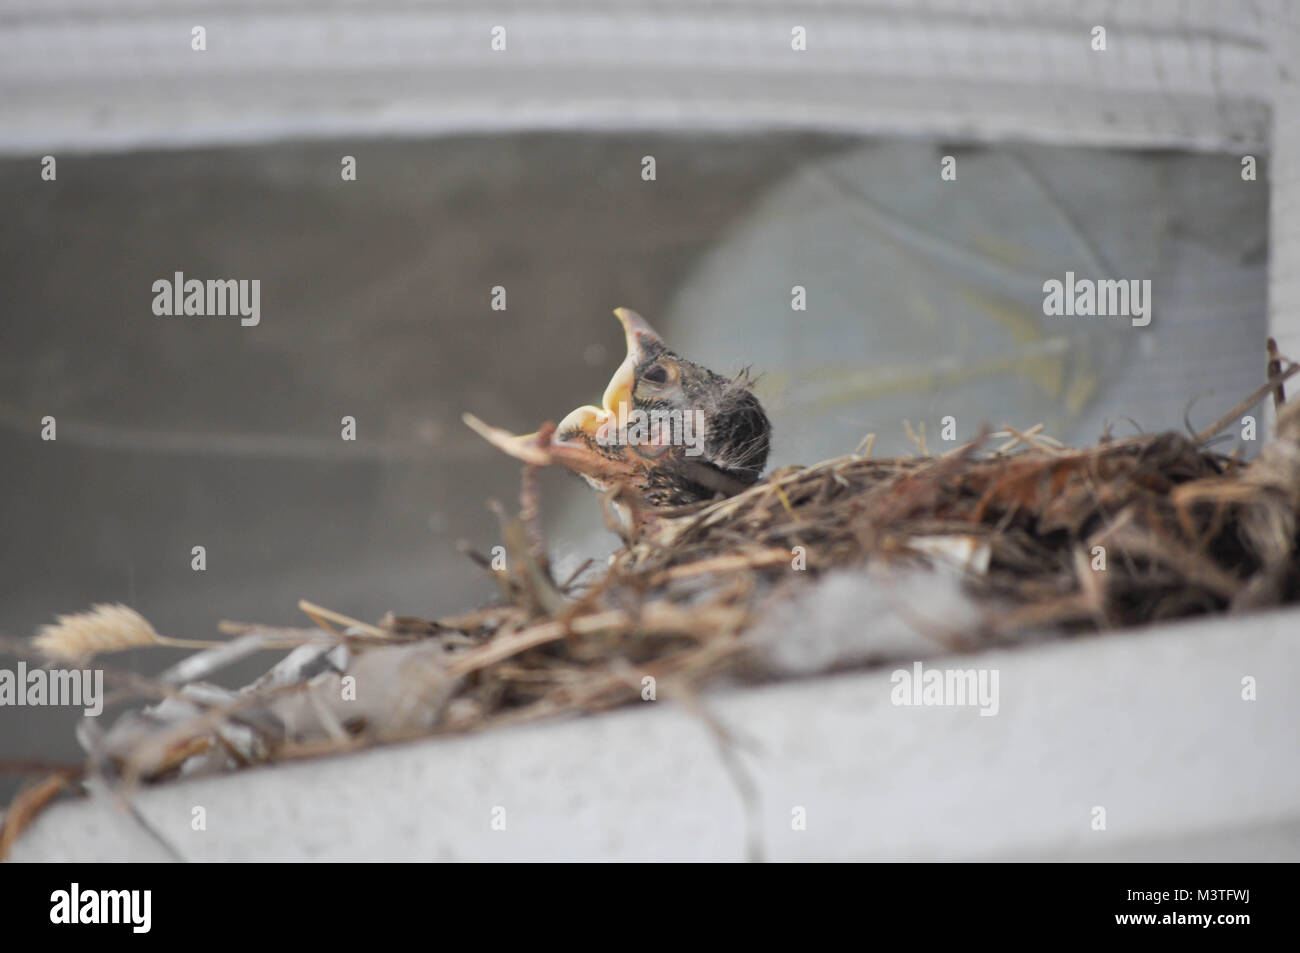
(852, 619)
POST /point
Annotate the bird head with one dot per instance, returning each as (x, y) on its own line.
(671, 429)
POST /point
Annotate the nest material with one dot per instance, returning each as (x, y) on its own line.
(1128, 532)
(1048, 541)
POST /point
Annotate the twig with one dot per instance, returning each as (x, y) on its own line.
(317, 613)
(1274, 382)
(29, 803)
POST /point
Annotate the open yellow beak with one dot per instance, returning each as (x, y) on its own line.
(565, 444)
(617, 399)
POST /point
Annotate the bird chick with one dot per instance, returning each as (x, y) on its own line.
(668, 428)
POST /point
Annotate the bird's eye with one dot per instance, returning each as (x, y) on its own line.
(656, 375)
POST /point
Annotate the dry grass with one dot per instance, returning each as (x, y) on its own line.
(1183, 531)
(105, 628)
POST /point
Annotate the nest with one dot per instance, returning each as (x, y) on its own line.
(1046, 542)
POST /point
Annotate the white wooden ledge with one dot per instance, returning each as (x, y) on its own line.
(1150, 725)
(103, 74)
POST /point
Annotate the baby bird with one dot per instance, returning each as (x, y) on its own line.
(670, 429)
